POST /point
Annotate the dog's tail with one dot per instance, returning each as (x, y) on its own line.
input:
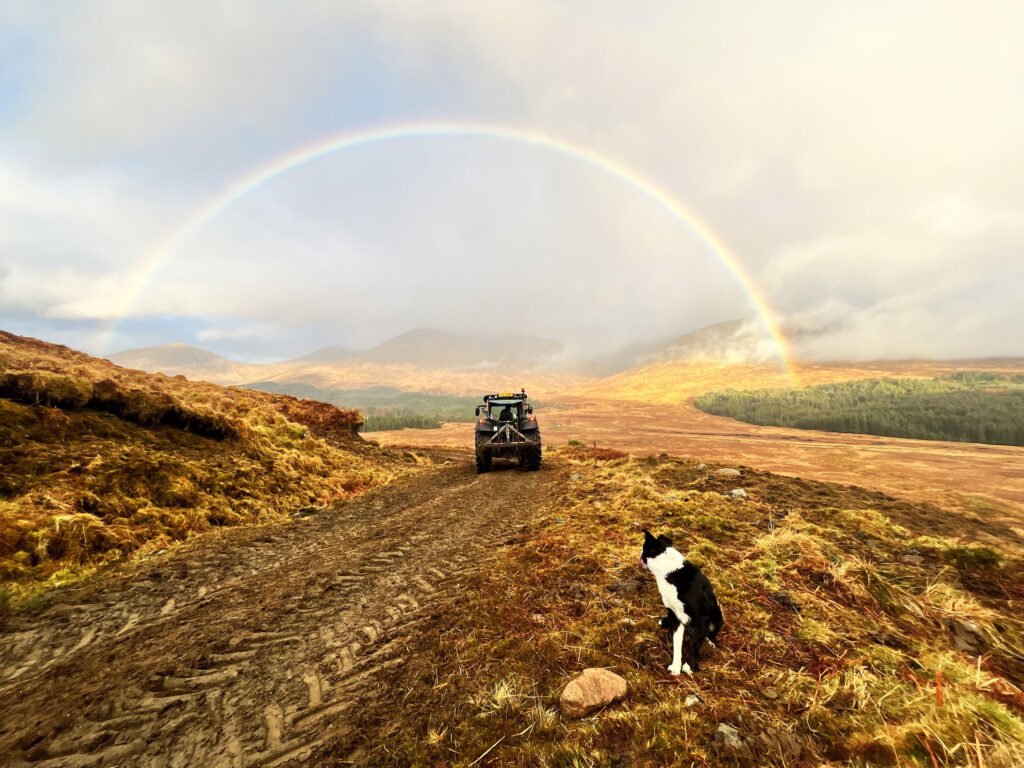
(715, 621)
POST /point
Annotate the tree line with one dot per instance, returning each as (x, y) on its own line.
(970, 406)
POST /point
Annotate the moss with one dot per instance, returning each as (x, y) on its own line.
(967, 557)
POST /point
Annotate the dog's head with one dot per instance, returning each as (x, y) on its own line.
(653, 546)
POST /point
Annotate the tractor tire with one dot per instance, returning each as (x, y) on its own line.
(531, 457)
(483, 459)
(483, 462)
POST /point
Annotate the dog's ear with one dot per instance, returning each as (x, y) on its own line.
(665, 540)
(648, 537)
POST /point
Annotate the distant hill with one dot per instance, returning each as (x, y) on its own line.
(194, 363)
(732, 341)
(438, 349)
(423, 350)
(332, 354)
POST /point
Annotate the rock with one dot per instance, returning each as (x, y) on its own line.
(966, 635)
(728, 740)
(784, 598)
(727, 472)
(306, 512)
(770, 693)
(692, 700)
(591, 690)
(738, 493)
(575, 477)
(628, 586)
(702, 466)
(911, 559)
(777, 742)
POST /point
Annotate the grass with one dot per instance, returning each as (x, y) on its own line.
(98, 463)
(835, 651)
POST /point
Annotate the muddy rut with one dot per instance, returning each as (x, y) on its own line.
(254, 647)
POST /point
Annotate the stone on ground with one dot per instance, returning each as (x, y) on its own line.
(728, 740)
(738, 493)
(592, 689)
(727, 472)
(966, 636)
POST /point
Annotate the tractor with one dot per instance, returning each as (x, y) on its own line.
(507, 429)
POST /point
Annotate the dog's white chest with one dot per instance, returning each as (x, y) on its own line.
(670, 598)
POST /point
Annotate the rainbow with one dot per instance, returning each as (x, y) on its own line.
(234, 191)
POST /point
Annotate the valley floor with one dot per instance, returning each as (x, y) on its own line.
(986, 480)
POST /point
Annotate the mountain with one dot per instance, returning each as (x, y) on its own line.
(194, 363)
(332, 354)
(438, 349)
(420, 360)
(732, 341)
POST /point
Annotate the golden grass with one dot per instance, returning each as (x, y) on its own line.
(99, 462)
(834, 650)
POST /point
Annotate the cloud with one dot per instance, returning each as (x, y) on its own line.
(863, 163)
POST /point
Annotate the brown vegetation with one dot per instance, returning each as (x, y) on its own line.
(840, 642)
(652, 411)
(97, 461)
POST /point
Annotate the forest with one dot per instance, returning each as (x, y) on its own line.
(969, 406)
(385, 408)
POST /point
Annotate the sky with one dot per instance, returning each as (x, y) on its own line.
(863, 161)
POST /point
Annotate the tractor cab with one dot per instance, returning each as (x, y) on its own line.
(506, 408)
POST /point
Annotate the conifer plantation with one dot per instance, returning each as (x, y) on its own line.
(968, 407)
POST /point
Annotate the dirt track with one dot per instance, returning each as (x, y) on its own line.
(256, 647)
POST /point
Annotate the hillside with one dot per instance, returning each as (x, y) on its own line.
(678, 381)
(98, 461)
(859, 630)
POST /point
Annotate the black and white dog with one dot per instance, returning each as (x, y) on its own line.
(693, 609)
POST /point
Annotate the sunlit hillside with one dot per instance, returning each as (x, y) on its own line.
(678, 381)
(355, 375)
(98, 461)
